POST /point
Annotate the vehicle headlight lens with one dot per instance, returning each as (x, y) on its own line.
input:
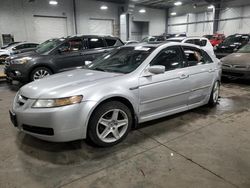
(50, 103)
(22, 60)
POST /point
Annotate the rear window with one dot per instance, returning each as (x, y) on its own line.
(113, 42)
(95, 43)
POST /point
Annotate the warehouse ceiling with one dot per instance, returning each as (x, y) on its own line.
(168, 3)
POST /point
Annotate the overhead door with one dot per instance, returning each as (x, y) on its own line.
(49, 27)
(101, 27)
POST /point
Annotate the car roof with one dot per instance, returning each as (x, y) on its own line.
(183, 38)
(159, 44)
(106, 36)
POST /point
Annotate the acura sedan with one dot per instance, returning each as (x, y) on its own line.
(130, 85)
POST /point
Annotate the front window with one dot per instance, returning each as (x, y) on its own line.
(122, 60)
(48, 45)
(245, 49)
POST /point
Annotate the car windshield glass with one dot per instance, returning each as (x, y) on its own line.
(122, 60)
(245, 49)
(48, 45)
(235, 39)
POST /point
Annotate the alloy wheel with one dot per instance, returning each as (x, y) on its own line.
(39, 74)
(112, 125)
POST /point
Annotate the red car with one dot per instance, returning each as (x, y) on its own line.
(217, 39)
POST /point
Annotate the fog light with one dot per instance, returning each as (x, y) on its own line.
(18, 73)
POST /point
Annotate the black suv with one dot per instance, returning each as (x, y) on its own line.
(231, 44)
(57, 55)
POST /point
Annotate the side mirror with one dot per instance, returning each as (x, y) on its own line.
(156, 69)
(63, 50)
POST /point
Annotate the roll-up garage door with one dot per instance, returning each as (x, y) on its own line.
(49, 27)
(101, 27)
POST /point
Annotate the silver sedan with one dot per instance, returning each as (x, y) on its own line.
(130, 85)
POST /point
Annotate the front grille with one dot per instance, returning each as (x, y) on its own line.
(235, 74)
(226, 65)
(38, 130)
(239, 67)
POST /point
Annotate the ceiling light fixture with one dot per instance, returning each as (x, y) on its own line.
(210, 7)
(173, 14)
(178, 3)
(53, 2)
(103, 7)
(142, 10)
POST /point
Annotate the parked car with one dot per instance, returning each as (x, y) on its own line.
(237, 65)
(129, 85)
(8, 45)
(208, 36)
(199, 41)
(154, 38)
(130, 42)
(16, 48)
(58, 55)
(231, 44)
(217, 39)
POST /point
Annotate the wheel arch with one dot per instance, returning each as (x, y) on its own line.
(121, 99)
(37, 66)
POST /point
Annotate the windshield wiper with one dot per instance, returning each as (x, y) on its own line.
(99, 69)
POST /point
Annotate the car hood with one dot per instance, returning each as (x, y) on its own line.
(31, 53)
(3, 51)
(237, 59)
(66, 84)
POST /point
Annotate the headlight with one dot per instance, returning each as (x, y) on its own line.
(22, 60)
(49, 103)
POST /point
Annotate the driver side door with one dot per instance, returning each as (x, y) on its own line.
(69, 55)
(167, 93)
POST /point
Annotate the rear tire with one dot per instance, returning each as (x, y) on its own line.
(214, 96)
(109, 124)
(39, 73)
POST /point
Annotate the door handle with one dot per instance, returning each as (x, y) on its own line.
(211, 70)
(183, 76)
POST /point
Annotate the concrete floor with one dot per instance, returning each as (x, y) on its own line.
(199, 148)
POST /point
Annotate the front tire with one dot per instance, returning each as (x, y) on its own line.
(109, 124)
(39, 73)
(214, 96)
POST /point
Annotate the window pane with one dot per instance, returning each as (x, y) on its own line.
(193, 56)
(110, 42)
(72, 45)
(171, 58)
(95, 43)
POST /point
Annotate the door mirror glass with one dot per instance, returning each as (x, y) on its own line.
(156, 69)
(63, 49)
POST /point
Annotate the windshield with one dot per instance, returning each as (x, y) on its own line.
(122, 60)
(235, 39)
(244, 49)
(48, 45)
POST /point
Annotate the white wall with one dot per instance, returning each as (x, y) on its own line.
(228, 27)
(195, 29)
(90, 9)
(17, 16)
(237, 25)
(155, 17)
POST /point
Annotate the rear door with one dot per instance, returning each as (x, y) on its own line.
(201, 71)
(96, 46)
(68, 55)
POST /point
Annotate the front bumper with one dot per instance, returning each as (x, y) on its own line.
(234, 73)
(58, 124)
(16, 72)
